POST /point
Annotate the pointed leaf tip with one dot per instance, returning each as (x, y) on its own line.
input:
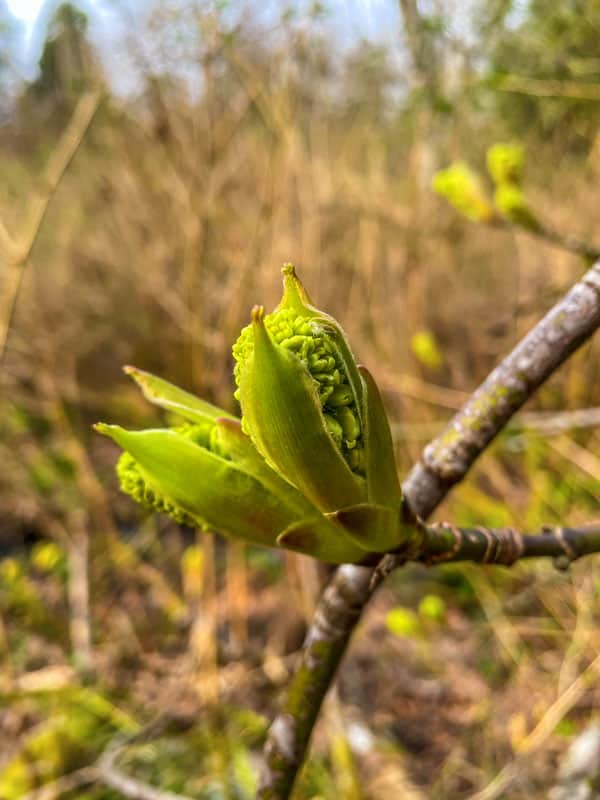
(103, 428)
(294, 294)
(114, 432)
(170, 397)
(257, 315)
(261, 334)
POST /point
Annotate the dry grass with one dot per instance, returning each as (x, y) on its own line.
(171, 222)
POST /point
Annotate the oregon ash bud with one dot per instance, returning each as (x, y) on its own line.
(310, 467)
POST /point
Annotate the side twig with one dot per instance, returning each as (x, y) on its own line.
(444, 462)
(445, 543)
(566, 241)
(548, 233)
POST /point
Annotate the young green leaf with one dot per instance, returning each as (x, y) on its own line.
(170, 397)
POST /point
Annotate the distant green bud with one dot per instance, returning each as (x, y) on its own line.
(462, 188)
(512, 204)
(506, 163)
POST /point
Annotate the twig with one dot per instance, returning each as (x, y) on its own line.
(582, 458)
(553, 422)
(446, 543)
(18, 248)
(444, 462)
(566, 241)
(80, 625)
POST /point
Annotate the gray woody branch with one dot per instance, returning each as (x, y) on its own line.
(445, 461)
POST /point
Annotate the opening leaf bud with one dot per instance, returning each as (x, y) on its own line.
(301, 395)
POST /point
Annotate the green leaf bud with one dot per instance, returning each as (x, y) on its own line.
(175, 472)
(318, 419)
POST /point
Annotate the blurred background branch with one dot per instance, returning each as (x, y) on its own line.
(17, 247)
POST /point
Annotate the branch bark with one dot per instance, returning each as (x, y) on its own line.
(445, 461)
(444, 543)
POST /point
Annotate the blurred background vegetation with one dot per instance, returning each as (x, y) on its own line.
(226, 139)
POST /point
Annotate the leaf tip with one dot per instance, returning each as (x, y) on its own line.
(294, 293)
(288, 270)
(104, 428)
(257, 315)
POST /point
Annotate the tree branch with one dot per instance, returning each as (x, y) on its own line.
(444, 462)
